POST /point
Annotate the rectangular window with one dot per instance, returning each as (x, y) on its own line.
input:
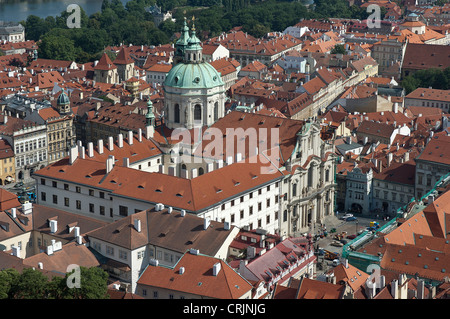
(54, 184)
(55, 199)
(66, 201)
(101, 194)
(42, 181)
(109, 250)
(123, 254)
(91, 207)
(66, 187)
(43, 196)
(78, 189)
(102, 210)
(91, 192)
(123, 210)
(78, 204)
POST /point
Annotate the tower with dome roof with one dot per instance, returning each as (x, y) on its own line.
(194, 93)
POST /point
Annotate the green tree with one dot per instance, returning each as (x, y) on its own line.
(57, 47)
(8, 279)
(31, 284)
(338, 49)
(93, 285)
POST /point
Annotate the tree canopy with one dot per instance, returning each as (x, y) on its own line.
(117, 24)
(435, 78)
(33, 284)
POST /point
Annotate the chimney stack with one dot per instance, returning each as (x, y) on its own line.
(140, 135)
(53, 226)
(120, 140)
(206, 223)
(394, 289)
(137, 225)
(91, 149)
(109, 163)
(216, 268)
(73, 154)
(126, 162)
(100, 146)
(130, 137)
(110, 143)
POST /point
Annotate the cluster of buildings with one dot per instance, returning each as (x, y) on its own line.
(203, 169)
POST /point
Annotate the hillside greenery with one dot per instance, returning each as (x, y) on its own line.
(33, 284)
(132, 23)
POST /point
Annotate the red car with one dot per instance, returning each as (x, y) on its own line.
(351, 236)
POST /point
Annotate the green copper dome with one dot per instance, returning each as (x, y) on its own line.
(63, 98)
(193, 76)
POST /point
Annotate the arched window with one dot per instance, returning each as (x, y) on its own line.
(216, 111)
(197, 112)
(201, 171)
(177, 113)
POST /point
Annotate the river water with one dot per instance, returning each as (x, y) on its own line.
(19, 10)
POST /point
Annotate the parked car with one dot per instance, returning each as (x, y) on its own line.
(344, 217)
(350, 219)
(351, 236)
(335, 262)
(336, 243)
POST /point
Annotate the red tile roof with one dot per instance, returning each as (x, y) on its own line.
(198, 278)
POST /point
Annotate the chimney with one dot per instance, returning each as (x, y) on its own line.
(206, 223)
(137, 225)
(371, 289)
(181, 270)
(91, 149)
(394, 289)
(76, 231)
(420, 289)
(110, 143)
(53, 226)
(130, 137)
(73, 154)
(40, 265)
(27, 208)
(82, 152)
(79, 240)
(216, 269)
(126, 162)
(14, 212)
(100, 146)
(109, 163)
(382, 281)
(120, 140)
(183, 213)
(226, 226)
(140, 135)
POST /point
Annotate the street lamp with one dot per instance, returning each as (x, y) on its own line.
(356, 227)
